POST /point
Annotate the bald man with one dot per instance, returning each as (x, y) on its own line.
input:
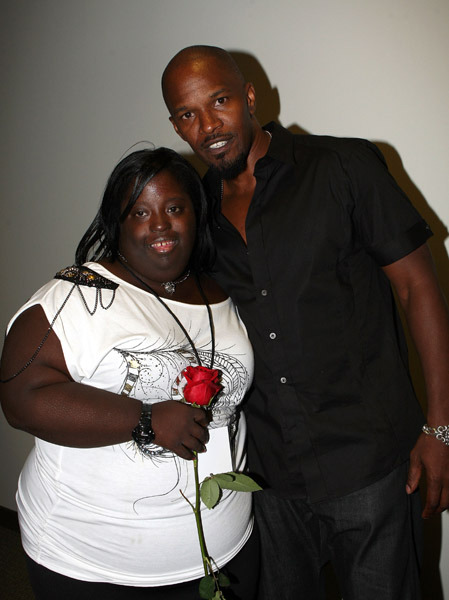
(310, 232)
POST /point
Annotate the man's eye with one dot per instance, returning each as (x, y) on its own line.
(221, 100)
(187, 115)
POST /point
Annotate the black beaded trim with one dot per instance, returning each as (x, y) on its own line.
(85, 276)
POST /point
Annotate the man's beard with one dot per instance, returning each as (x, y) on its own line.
(230, 170)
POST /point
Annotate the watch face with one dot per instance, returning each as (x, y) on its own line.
(143, 433)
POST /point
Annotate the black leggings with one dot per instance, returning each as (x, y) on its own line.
(242, 570)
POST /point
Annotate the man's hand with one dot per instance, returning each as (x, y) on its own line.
(432, 456)
(415, 282)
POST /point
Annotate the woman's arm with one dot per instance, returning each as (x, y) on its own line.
(44, 400)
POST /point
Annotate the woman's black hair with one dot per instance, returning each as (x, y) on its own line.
(126, 182)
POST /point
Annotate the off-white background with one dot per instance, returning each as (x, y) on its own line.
(80, 85)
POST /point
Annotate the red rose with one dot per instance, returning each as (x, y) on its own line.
(202, 385)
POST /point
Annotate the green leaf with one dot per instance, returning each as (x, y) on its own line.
(210, 492)
(241, 483)
(223, 580)
(207, 587)
(221, 478)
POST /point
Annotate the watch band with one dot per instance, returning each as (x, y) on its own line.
(143, 433)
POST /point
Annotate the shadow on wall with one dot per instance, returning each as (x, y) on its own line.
(268, 109)
(440, 231)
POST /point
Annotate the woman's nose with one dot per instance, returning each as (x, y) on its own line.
(159, 222)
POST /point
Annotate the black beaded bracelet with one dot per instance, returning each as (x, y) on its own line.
(143, 434)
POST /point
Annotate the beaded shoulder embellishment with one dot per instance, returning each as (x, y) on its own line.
(85, 276)
(78, 276)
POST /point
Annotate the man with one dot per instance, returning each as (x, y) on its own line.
(310, 232)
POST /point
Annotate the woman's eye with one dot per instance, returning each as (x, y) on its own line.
(174, 209)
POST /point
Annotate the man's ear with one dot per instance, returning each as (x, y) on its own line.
(172, 121)
(250, 93)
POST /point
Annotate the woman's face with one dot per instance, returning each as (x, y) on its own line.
(158, 234)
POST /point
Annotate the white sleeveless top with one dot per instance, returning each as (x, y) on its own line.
(108, 514)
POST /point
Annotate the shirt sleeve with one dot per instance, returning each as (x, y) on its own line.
(78, 324)
(386, 223)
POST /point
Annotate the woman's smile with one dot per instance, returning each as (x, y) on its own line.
(163, 245)
(158, 234)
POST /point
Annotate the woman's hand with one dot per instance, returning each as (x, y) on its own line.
(180, 428)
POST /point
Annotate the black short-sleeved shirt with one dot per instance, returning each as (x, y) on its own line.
(332, 408)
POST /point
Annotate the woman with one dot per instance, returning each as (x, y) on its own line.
(102, 497)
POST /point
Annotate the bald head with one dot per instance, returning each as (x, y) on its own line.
(211, 107)
(197, 55)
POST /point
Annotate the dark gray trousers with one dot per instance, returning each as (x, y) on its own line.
(373, 538)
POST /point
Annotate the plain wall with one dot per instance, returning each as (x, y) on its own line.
(81, 84)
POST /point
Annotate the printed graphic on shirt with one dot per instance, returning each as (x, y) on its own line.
(153, 374)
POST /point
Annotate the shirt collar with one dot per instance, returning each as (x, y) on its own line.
(281, 146)
(279, 150)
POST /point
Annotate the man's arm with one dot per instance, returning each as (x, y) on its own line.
(414, 279)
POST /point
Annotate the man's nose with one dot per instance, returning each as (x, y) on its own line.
(209, 121)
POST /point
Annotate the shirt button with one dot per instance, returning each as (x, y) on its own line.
(283, 380)
(272, 336)
(264, 292)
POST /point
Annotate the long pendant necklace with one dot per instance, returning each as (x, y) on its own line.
(168, 309)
